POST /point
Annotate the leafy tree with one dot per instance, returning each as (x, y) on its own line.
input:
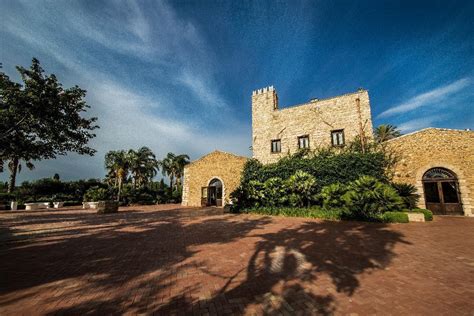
(386, 132)
(56, 177)
(117, 163)
(40, 119)
(96, 194)
(143, 165)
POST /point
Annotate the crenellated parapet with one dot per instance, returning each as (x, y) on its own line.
(263, 90)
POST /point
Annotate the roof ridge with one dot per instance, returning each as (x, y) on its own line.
(323, 99)
(428, 128)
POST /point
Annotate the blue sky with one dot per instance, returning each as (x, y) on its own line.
(178, 76)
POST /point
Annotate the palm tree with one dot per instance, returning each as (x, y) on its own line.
(386, 132)
(168, 168)
(180, 162)
(117, 163)
(143, 165)
(173, 167)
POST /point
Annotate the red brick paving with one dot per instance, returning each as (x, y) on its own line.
(168, 260)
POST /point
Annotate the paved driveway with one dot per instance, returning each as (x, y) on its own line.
(166, 259)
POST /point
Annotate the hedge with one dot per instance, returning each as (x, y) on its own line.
(312, 212)
(394, 217)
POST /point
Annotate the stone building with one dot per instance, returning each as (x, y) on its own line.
(315, 124)
(211, 179)
(440, 163)
(318, 123)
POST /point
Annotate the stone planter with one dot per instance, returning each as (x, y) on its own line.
(92, 205)
(106, 207)
(415, 217)
(58, 204)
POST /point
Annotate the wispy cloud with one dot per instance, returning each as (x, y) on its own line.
(419, 123)
(205, 93)
(427, 98)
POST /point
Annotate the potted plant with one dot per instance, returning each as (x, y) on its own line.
(101, 200)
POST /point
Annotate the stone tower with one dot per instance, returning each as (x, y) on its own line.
(264, 103)
(317, 123)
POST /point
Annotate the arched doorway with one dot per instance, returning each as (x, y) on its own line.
(441, 191)
(212, 194)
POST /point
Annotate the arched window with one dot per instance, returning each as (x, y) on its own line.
(441, 191)
(435, 174)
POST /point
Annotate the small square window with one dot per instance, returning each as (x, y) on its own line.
(276, 146)
(303, 142)
(337, 137)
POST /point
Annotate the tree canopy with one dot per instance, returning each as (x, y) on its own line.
(39, 119)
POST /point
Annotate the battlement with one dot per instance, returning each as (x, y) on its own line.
(263, 90)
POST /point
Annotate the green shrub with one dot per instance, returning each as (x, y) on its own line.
(368, 198)
(427, 213)
(327, 166)
(275, 192)
(302, 187)
(7, 197)
(408, 194)
(331, 196)
(394, 217)
(312, 212)
(96, 194)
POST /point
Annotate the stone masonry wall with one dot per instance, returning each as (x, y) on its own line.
(434, 147)
(224, 166)
(316, 119)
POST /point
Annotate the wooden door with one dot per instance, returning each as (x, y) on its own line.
(441, 192)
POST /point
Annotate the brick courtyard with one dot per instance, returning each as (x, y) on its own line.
(170, 260)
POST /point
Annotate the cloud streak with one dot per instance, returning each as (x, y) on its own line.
(419, 123)
(167, 113)
(427, 98)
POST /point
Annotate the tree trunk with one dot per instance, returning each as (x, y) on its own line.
(13, 172)
(119, 189)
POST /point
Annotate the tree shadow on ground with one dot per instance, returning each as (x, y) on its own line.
(107, 252)
(282, 273)
(138, 260)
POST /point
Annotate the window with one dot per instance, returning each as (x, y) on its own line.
(337, 137)
(303, 142)
(276, 146)
(431, 192)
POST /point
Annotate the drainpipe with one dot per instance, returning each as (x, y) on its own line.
(361, 129)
